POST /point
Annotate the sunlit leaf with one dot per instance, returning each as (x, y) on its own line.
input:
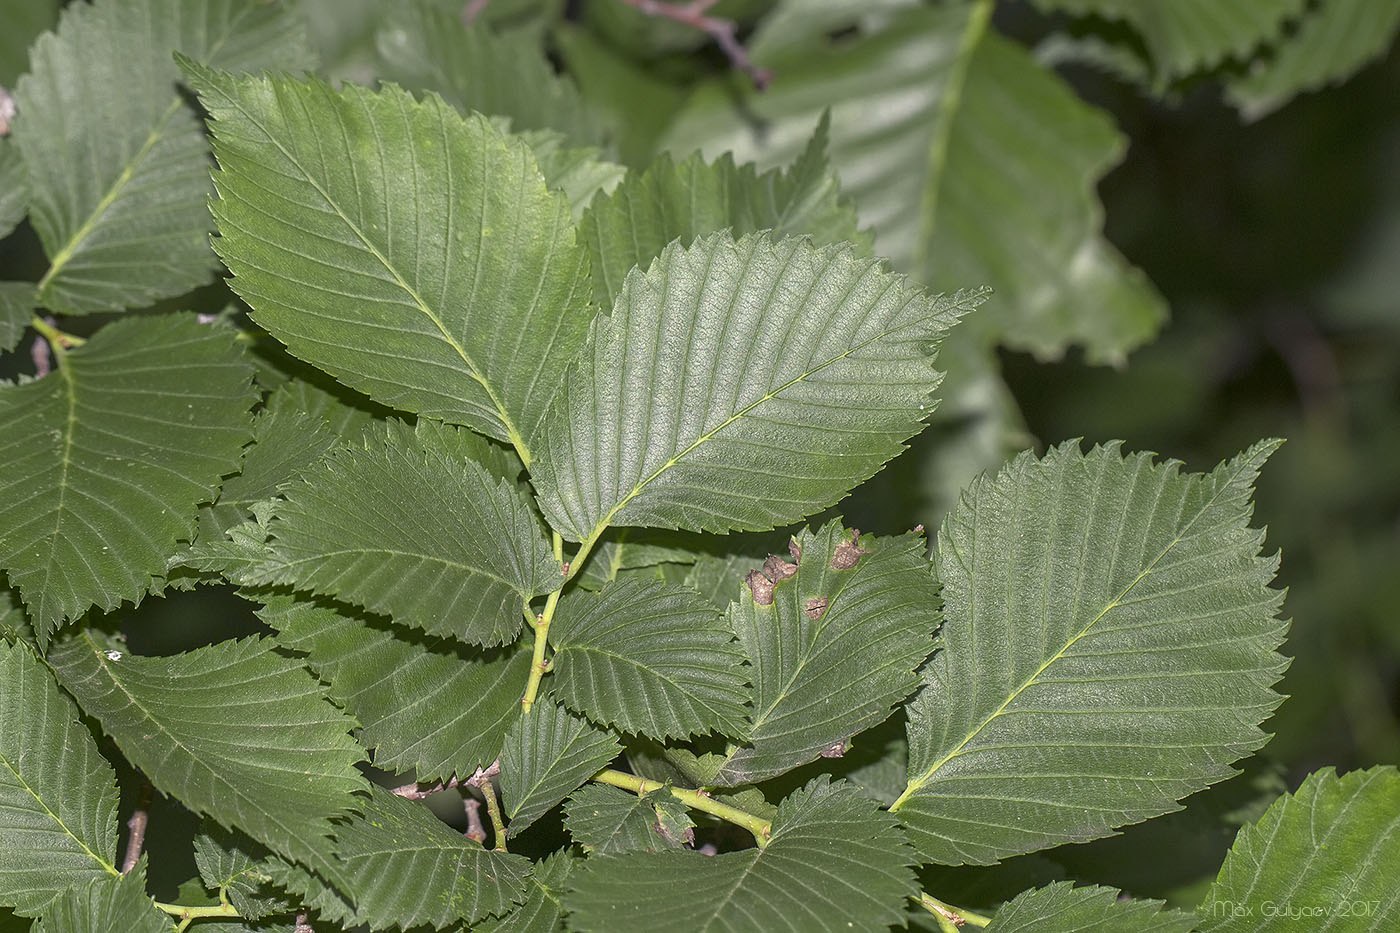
(423, 262)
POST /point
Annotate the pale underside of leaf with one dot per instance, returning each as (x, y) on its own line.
(414, 254)
(117, 161)
(835, 650)
(105, 460)
(1066, 909)
(187, 722)
(58, 796)
(1330, 848)
(740, 385)
(1109, 649)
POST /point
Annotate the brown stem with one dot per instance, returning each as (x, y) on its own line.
(415, 791)
(472, 10)
(724, 32)
(476, 830)
(303, 925)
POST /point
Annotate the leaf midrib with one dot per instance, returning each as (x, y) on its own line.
(473, 370)
(914, 784)
(675, 460)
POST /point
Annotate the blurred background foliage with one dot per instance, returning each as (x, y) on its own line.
(1190, 213)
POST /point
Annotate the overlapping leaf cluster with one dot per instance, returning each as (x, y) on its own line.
(472, 512)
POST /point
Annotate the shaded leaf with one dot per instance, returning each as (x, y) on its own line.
(1323, 856)
(1188, 35)
(14, 188)
(691, 199)
(608, 821)
(424, 46)
(423, 262)
(117, 161)
(187, 722)
(1333, 40)
(740, 385)
(541, 911)
(58, 795)
(103, 461)
(17, 304)
(368, 525)
(834, 863)
(231, 864)
(650, 659)
(113, 903)
(1067, 909)
(407, 867)
(835, 650)
(423, 706)
(973, 164)
(547, 754)
(1109, 649)
(580, 172)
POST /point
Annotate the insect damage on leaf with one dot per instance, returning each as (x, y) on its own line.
(761, 587)
(848, 553)
(814, 607)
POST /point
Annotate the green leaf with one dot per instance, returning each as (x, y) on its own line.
(835, 864)
(424, 46)
(423, 262)
(580, 172)
(231, 864)
(117, 161)
(740, 385)
(973, 164)
(103, 462)
(1109, 649)
(285, 442)
(14, 188)
(58, 796)
(185, 722)
(346, 420)
(407, 867)
(547, 754)
(423, 705)
(835, 649)
(1185, 36)
(691, 199)
(1323, 856)
(649, 658)
(1332, 41)
(1067, 909)
(609, 821)
(119, 903)
(541, 912)
(409, 527)
(17, 305)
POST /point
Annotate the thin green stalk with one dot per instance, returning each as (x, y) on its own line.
(493, 809)
(57, 339)
(539, 664)
(949, 917)
(761, 829)
(187, 914)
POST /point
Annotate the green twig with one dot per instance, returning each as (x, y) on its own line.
(188, 915)
(57, 339)
(493, 809)
(695, 799)
(949, 917)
